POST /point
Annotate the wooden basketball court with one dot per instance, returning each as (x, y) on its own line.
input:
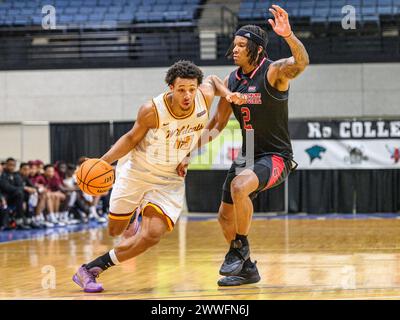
(297, 259)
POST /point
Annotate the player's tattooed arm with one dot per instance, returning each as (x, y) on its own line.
(291, 67)
(147, 118)
(281, 71)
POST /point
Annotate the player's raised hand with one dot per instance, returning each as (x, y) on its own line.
(280, 25)
(236, 98)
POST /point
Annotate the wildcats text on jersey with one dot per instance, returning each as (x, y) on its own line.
(183, 130)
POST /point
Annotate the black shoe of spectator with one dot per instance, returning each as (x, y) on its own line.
(23, 226)
(35, 225)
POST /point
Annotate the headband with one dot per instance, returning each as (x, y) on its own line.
(251, 36)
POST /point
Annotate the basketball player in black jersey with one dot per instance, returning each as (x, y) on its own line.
(264, 118)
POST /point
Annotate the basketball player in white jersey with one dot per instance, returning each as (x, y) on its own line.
(166, 128)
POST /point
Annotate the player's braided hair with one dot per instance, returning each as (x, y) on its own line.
(252, 47)
(185, 70)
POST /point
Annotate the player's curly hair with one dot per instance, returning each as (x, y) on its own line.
(184, 69)
(252, 47)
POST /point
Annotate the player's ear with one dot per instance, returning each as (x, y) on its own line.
(171, 86)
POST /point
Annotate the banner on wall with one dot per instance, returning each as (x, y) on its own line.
(346, 144)
(318, 145)
(220, 153)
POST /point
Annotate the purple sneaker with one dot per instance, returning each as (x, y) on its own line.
(86, 279)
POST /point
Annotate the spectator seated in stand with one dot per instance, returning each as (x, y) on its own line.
(61, 169)
(55, 197)
(4, 217)
(70, 183)
(34, 177)
(13, 190)
(30, 196)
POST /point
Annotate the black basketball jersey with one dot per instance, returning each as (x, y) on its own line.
(266, 112)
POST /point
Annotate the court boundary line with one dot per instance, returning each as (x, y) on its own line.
(327, 290)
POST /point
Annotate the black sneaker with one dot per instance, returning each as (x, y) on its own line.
(234, 259)
(23, 226)
(249, 274)
(34, 225)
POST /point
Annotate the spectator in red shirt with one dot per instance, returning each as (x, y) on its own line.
(40, 165)
(55, 196)
(34, 172)
(61, 169)
(35, 177)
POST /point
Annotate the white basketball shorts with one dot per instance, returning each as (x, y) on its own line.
(138, 186)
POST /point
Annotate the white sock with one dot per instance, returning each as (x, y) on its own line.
(113, 257)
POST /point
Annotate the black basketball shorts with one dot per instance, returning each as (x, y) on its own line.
(271, 171)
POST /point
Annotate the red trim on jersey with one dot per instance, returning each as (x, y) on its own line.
(256, 69)
(237, 74)
(277, 169)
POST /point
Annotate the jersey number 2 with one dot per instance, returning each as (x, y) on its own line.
(246, 118)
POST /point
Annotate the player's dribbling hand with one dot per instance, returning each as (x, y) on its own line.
(236, 98)
(281, 25)
(181, 169)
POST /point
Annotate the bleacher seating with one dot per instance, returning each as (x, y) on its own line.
(120, 33)
(98, 12)
(322, 11)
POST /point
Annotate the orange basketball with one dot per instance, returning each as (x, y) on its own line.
(95, 177)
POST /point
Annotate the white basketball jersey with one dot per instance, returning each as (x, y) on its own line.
(164, 147)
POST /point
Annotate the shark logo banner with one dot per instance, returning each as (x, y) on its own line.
(327, 145)
(346, 144)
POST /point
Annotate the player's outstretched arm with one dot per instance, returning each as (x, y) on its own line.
(217, 123)
(146, 119)
(213, 86)
(213, 128)
(281, 71)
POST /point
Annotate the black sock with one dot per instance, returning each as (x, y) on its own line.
(243, 239)
(103, 262)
